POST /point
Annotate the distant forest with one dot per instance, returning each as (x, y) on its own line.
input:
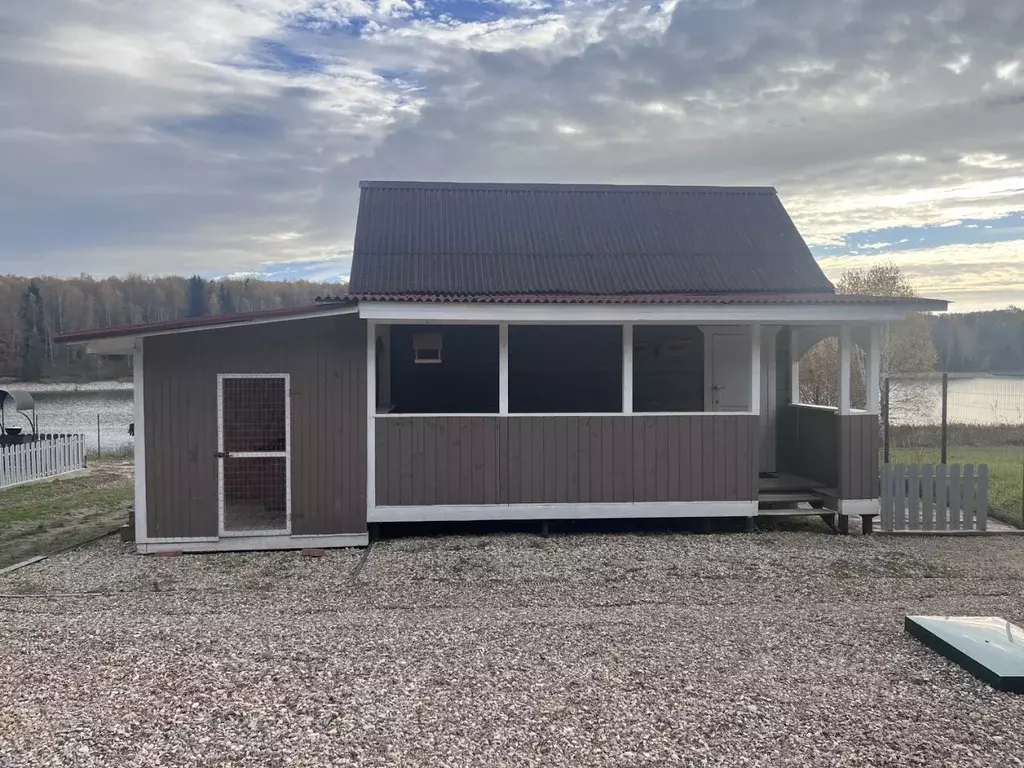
(33, 310)
(980, 342)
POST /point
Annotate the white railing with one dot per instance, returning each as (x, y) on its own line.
(934, 497)
(40, 459)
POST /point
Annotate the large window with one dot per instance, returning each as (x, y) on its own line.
(564, 369)
(668, 368)
(443, 369)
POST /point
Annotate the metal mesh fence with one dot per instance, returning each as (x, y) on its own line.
(951, 419)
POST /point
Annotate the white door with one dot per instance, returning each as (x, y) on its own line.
(730, 371)
(254, 454)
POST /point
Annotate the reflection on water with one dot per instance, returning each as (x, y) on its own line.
(73, 408)
(981, 401)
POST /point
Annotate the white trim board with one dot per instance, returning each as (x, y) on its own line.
(859, 506)
(639, 414)
(139, 441)
(371, 413)
(471, 512)
(619, 314)
(253, 543)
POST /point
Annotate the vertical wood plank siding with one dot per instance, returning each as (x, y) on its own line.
(860, 443)
(568, 459)
(326, 358)
(838, 451)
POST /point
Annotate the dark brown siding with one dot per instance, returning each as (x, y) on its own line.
(568, 459)
(839, 451)
(326, 358)
(809, 443)
(859, 444)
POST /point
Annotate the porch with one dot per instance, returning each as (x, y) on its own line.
(532, 421)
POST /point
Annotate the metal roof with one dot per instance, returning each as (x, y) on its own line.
(487, 239)
(207, 321)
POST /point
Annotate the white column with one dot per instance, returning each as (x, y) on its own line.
(503, 369)
(627, 368)
(874, 374)
(140, 445)
(755, 368)
(845, 345)
(794, 366)
(371, 413)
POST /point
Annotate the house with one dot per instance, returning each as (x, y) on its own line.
(512, 351)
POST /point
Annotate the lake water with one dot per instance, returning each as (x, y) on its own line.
(75, 407)
(987, 400)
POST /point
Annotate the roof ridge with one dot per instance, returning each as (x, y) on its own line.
(566, 187)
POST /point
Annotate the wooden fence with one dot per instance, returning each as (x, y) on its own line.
(934, 497)
(40, 459)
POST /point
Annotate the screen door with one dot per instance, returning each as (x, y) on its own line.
(254, 454)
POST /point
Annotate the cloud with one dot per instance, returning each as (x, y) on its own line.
(227, 135)
(972, 276)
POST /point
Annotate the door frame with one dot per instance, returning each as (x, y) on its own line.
(286, 454)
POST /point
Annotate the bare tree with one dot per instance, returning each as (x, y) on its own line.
(907, 344)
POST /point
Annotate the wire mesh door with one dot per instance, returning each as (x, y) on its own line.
(254, 454)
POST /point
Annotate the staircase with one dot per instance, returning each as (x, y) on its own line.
(780, 493)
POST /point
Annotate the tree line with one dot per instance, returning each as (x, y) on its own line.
(34, 310)
(980, 342)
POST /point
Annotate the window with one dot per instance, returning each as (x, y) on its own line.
(564, 369)
(427, 347)
(668, 368)
(443, 369)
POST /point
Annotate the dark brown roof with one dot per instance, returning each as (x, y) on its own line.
(498, 239)
(186, 323)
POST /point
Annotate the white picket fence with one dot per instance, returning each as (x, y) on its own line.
(934, 497)
(41, 459)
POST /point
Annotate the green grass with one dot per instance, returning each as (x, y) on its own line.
(1005, 473)
(40, 518)
(28, 502)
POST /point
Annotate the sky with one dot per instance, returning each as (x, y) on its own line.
(228, 137)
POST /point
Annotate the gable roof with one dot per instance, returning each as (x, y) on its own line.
(451, 239)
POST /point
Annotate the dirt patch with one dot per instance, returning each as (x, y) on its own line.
(43, 518)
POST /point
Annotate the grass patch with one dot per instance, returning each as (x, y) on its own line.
(53, 499)
(1005, 473)
(40, 518)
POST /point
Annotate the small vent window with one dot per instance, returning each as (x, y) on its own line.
(426, 347)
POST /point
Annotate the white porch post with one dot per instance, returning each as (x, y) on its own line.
(141, 521)
(874, 374)
(503, 369)
(755, 368)
(371, 413)
(627, 368)
(794, 366)
(845, 345)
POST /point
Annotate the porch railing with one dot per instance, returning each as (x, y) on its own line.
(40, 459)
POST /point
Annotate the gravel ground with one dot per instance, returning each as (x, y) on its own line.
(586, 650)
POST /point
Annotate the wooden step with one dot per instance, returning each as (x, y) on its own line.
(798, 512)
(787, 497)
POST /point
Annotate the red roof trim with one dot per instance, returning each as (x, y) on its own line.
(209, 321)
(664, 298)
